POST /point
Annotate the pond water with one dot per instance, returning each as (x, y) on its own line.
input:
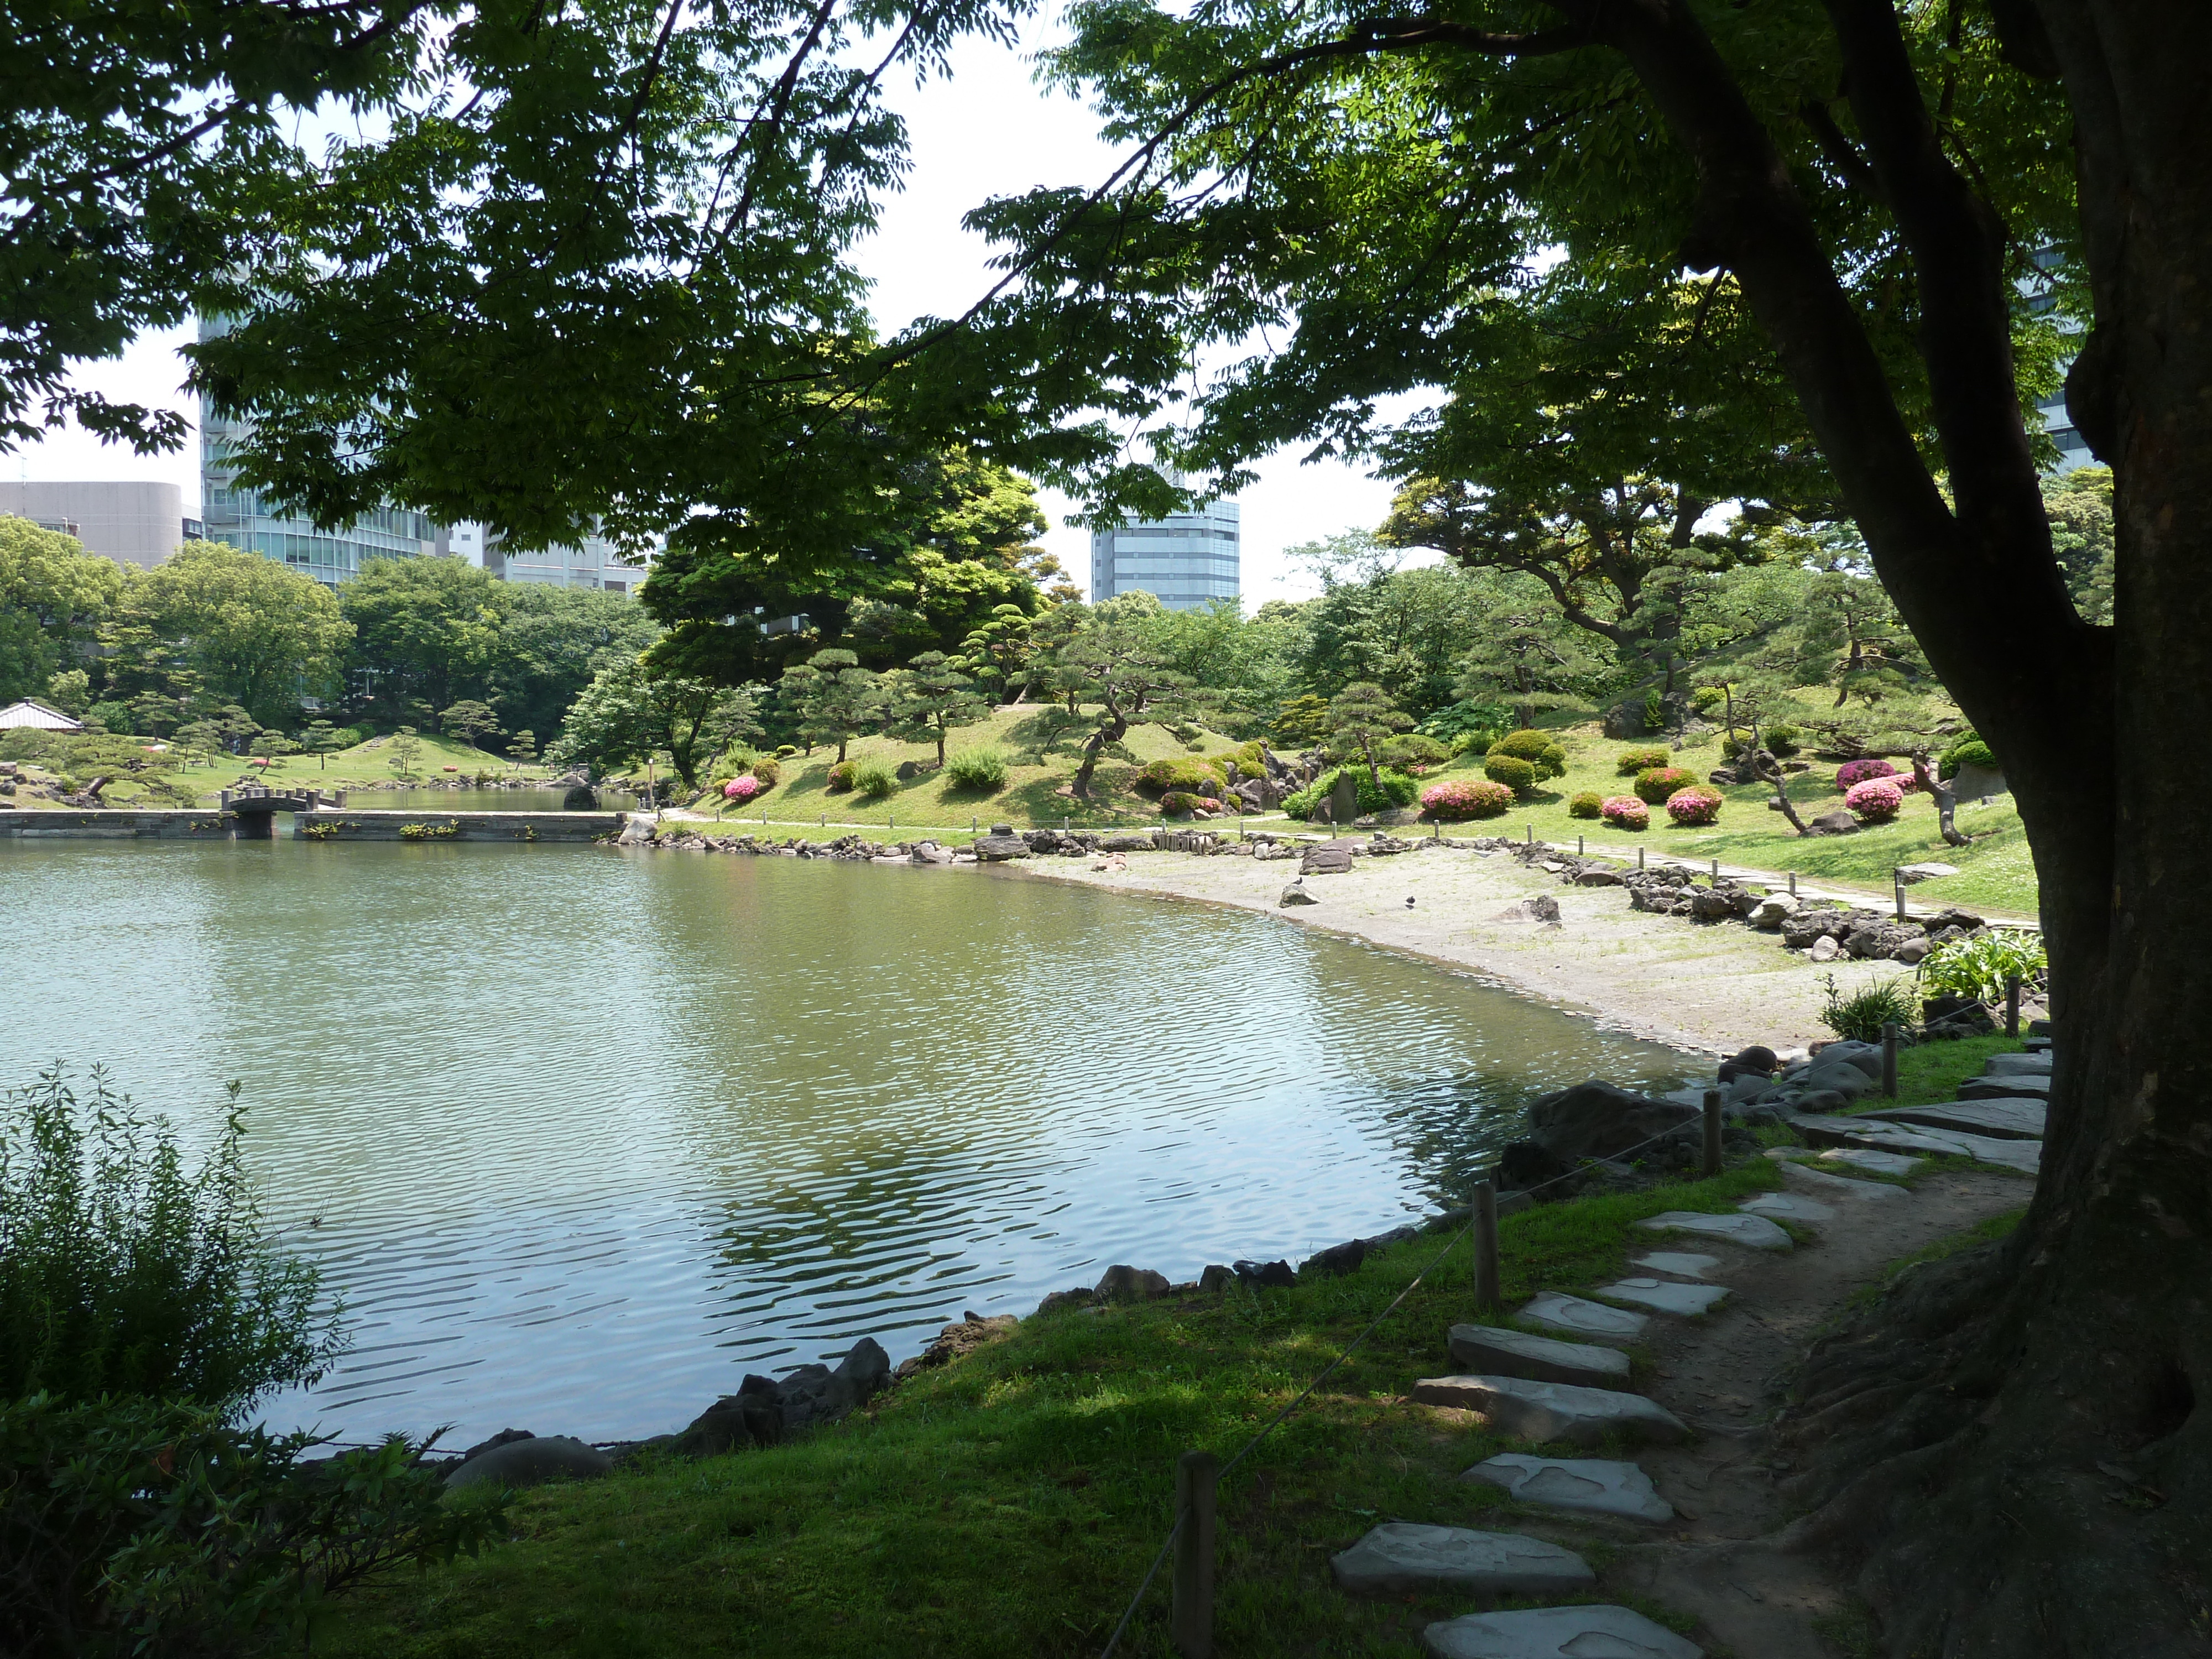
(580, 1135)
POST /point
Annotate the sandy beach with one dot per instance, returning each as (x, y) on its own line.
(1710, 986)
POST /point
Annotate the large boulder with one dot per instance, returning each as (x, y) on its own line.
(765, 1410)
(1834, 823)
(957, 1341)
(1295, 895)
(1126, 843)
(1772, 911)
(1125, 1284)
(997, 849)
(530, 1460)
(1598, 1119)
(1326, 859)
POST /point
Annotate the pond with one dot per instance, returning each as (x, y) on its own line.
(580, 1136)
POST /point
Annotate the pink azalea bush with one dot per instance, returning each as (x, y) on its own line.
(1700, 804)
(743, 788)
(1465, 798)
(1874, 801)
(1625, 812)
(1851, 774)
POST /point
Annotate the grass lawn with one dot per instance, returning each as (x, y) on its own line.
(1010, 1504)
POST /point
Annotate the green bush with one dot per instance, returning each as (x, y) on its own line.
(1977, 968)
(982, 769)
(1469, 718)
(1414, 749)
(1478, 741)
(1630, 761)
(1782, 741)
(841, 777)
(1652, 787)
(1588, 805)
(1655, 712)
(130, 1527)
(767, 771)
(1397, 790)
(1707, 697)
(1517, 774)
(1178, 804)
(874, 779)
(1191, 776)
(122, 1272)
(1968, 751)
(1539, 749)
(1861, 1016)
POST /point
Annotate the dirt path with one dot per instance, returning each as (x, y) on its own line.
(1709, 987)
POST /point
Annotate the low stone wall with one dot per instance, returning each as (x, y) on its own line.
(345, 823)
(168, 823)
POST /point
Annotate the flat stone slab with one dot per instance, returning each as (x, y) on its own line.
(1577, 1317)
(1598, 1633)
(1753, 1232)
(1680, 1263)
(1789, 1206)
(1686, 1301)
(1865, 1158)
(1401, 1555)
(2014, 1118)
(1595, 1484)
(1554, 1410)
(2016, 1086)
(1998, 1065)
(2023, 1155)
(1500, 1352)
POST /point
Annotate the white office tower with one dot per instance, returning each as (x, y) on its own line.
(1187, 560)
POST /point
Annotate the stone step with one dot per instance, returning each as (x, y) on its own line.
(1683, 1300)
(1826, 1183)
(1496, 1351)
(2001, 1065)
(2038, 1045)
(1790, 1206)
(1681, 1263)
(1541, 1412)
(1402, 1555)
(1594, 1321)
(2014, 1087)
(1752, 1232)
(1865, 1158)
(2023, 1155)
(1592, 1632)
(2013, 1118)
(1595, 1484)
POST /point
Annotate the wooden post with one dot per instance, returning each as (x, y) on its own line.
(1712, 1131)
(1581, 851)
(1793, 883)
(1190, 1617)
(1532, 834)
(1897, 889)
(1639, 857)
(2012, 1004)
(1889, 1059)
(1486, 1291)
(1717, 872)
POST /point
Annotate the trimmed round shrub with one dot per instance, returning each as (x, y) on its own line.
(767, 771)
(1782, 741)
(1539, 749)
(1465, 798)
(1588, 805)
(1853, 773)
(1414, 749)
(1698, 803)
(984, 769)
(785, 751)
(1967, 751)
(874, 779)
(1179, 804)
(1191, 777)
(1874, 801)
(1517, 774)
(1652, 787)
(841, 777)
(741, 789)
(1630, 761)
(1707, 696)
(1625, 812)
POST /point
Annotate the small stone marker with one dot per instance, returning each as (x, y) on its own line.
(1500, 1352)
(1688, 1301)
(1399, 1556)
(1865, 1158)
(1598, 1485)
(1553, 1411)
(1680, 1263)
(1788, 1207)
(1591, 1319)
(2010, 1119)
(1598, 1633)
(1754, 1232)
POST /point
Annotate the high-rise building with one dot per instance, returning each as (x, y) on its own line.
(592, 563)
(1186, 560)
(135, 523)
(2073, 448)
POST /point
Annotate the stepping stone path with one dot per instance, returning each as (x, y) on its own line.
(1580, 1318)
(1399, 1556)
(1557, 1633)
(1554, 1410)
(1688, 1301)
(1496, 1351)
(1752, 1232)
(1679, 1263)
(1596, 1484)
(1539, 1389)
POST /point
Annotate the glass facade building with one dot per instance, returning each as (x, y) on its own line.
(1186, 560)
(2073, 450)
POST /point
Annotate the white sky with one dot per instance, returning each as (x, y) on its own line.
(989, 130)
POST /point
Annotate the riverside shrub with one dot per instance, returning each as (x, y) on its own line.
(1630, 761)
(1653, 786)
(1852, 773)
(1588, 805)
(1516, 773)
(1625, 812)
(873, 780)
(1539, 749)
(1465, 798)
(982, 769)
(1875, 801)
(1698, 803)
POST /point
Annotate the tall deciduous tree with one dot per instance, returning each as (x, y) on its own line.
(54, 597)
(626, 715)
(252, 631)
